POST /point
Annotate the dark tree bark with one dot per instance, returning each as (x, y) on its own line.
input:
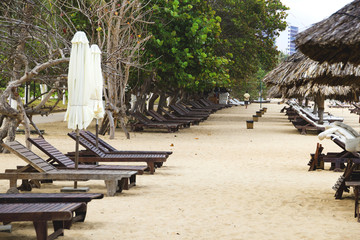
(152, 101)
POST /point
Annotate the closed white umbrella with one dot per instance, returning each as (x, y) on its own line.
(96, 78)
(79, 115)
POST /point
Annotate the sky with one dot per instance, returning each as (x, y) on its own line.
(304, 13)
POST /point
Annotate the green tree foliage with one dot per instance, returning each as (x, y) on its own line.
(181, 51)
(249, 30)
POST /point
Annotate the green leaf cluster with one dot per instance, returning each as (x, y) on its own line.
(249, 30)
(182, 50)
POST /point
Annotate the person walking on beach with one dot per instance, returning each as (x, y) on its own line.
(246, 98)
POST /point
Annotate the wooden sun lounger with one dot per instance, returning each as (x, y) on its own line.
(49, 197)
(338, 132)
(64, 162)
(144, 122)
(207, 102)
(61, 214)
(197, 105)
(308, 125)
(79, 216)
(169, 115)
(93, 155)
(192, 111)
(39, 169)
(182, 113)
(337, 159)
(107, 148)
(158, 117)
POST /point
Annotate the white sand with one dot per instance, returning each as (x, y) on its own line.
(223, 181)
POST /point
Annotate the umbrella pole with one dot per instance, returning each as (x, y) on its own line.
(97, 133)
(77, 153)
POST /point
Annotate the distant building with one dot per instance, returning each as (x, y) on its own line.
(292, 31)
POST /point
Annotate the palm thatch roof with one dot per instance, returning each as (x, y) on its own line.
(275, 91)
(298, 70)
(335, 39)
(310, 90)
(330, 92)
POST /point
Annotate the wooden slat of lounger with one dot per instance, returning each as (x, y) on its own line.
(71, 175)
(85, 143)
(89, 146)
(107, 148)
(31, 158)
(48, 197)
(52, 152)
(37, 211)
(139, 156)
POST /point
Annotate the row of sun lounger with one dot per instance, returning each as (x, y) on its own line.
(64, 209)
(178, 116)
(347, 160)
(305, 120)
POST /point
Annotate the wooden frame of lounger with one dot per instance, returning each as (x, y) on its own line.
(107, 148)
(169, 115)
(182, 113)
(144, 122)
(195, 112)
(197, 105)
(64, 162)
(94, 155)
(78, 216)
(61, 214)
(114, 180)
(160, 118)
(309, 125)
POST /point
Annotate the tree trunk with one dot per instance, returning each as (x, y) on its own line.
(306, 102)
(111, 123)
(321, 107)
(173, 99)
(152, 101)
(11, 126)
(315, 110)
(162, 102)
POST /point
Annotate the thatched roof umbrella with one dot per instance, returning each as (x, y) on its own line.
(329, 92)
(335, 39)
(298, 70)
(298, 73)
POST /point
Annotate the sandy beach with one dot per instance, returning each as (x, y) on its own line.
(222, 181)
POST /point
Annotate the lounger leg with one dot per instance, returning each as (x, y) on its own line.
(123, 184)
(111, 186)
(303, 131)
(337, 165)
(151, 166)
(132, 180)
(13, 182)
(356, 193)
(80, 215)
(41, 230)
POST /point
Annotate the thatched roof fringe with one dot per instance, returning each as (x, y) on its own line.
(335, 39)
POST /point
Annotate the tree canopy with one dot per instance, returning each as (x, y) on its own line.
(182, 50)
(249, 30)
